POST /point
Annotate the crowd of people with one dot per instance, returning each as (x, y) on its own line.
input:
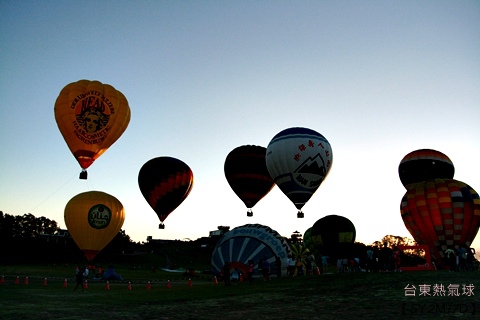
(385, 259)
(461, 258)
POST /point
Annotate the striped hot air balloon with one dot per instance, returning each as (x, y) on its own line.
(247, 174)
(441, 213)
(425, 164)
(165, 182)
(250, 242)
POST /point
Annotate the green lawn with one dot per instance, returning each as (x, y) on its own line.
(328, 296)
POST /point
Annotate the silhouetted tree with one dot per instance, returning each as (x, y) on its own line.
(26, 226)
(22, 240)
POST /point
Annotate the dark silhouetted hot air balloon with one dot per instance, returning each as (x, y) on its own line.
(334, 236)
(441, 213)
(93, 219)
(165, 182)
(91, 116)
(309, 240)
(247, 174)
(425, 164)
(298, 160)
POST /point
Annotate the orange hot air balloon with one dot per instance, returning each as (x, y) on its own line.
(93, 219)
(91, 116)
(441, 213)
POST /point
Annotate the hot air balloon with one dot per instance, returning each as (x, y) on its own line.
(425, 164)
(299, 252)
(165, 182)
(298, 160)
(334, 236)
(249, 242)
(247, 174)
(93, 219)
(441, 213)
(309, 241)
(305, 260)
(91, 116)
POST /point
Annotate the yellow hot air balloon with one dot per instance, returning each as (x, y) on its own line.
(91, 116)
(93, 219)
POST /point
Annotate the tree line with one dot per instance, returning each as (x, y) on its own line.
(28, 239)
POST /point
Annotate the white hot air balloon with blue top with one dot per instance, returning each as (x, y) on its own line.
(298, 160)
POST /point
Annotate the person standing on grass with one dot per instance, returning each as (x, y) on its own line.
(79, 279)
(85, 273)
(462, 258)
(310, 264)
(250, 268)
(290, 266)
(265, 269)
(324, 264)
(278, 266)
(386, 254)
(226, 274)
(370, 262)
(470, 259)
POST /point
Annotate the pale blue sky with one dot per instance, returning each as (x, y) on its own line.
(378, 79)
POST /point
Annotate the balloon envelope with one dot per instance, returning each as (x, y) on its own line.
(334, 236)
(425, 164)
(441, 213)
(91, 116)
(165, 182)
(299, 252)
(310, 241)
(249, 242)
(247, 174)
(93, 219)
(298, 160)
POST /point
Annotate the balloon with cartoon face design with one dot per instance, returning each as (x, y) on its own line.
(91, 116)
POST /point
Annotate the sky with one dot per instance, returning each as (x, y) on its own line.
(378, 79)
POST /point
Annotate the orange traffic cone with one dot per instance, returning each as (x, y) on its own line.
(215, 281)
(26, 280)
(107, 286)
(169, 285)
(129, 287)
(17, 280)
(317, 271)
(2, 280)
(45, 282)
(240, 278)
(148, 285)
(65, 283)
(189, 282)
(85, 285)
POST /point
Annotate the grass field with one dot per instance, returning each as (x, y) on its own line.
(327, 296)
